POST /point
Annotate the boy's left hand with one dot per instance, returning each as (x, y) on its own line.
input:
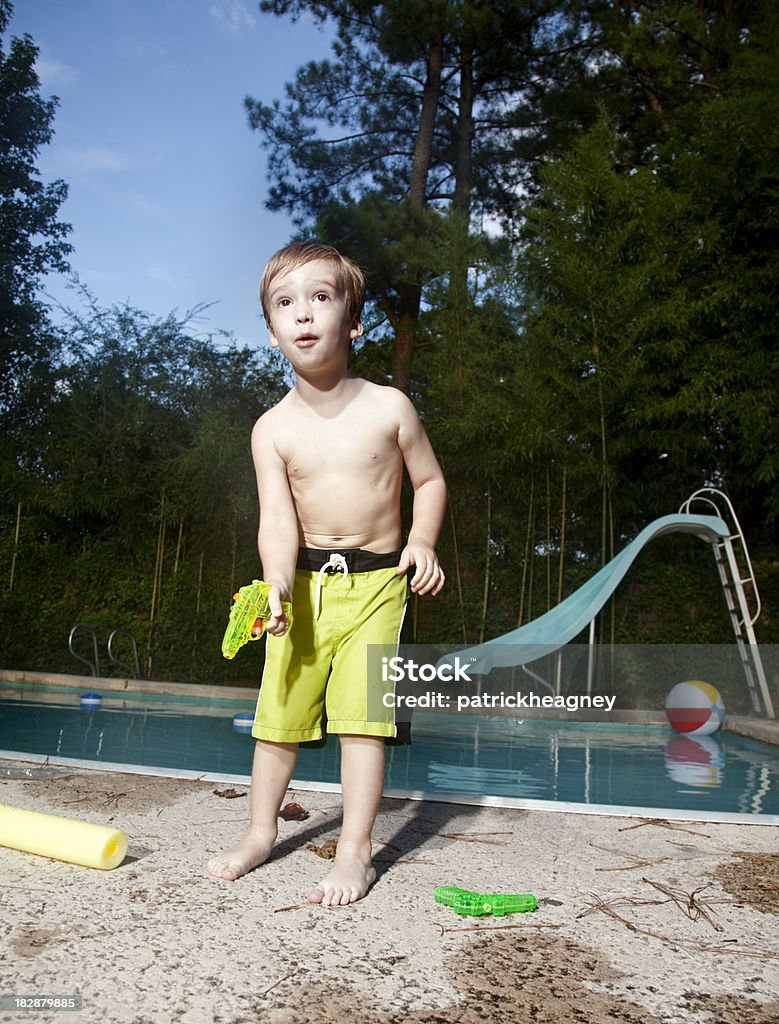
(429, 576)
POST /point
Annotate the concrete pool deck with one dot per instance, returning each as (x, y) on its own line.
(640, 920)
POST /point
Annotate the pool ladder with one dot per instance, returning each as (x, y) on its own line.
(736, 574)
(93, 661)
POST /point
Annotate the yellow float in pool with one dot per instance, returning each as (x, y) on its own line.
(78, 842)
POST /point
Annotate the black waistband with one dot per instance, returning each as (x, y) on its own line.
(357, 560)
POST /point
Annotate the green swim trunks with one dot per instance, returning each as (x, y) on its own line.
(316, 676)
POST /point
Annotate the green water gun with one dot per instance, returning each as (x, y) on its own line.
(248, 615)
(475, 904)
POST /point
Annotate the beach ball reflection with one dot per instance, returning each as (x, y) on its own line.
(696, 761)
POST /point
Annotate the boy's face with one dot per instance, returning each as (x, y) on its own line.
(309, 321)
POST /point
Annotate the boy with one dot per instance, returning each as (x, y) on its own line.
(329, 460)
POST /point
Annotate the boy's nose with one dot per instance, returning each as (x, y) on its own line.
(303, 313)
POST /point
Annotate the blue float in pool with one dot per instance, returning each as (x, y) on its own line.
(243, 721)
(90, 701)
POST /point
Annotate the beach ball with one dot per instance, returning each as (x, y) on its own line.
(695, 708)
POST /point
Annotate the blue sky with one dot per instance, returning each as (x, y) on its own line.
(167, 182)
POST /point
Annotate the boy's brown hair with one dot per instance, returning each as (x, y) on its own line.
(297, 254)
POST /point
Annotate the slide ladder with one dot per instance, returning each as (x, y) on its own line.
(739, 585)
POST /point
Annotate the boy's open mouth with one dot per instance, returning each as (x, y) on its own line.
(304, 340)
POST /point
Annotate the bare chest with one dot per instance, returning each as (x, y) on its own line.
(343, 447)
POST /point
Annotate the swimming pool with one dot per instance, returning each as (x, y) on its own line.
(560, 764)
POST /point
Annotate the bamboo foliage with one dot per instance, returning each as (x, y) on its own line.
(487, 564)
(16, 545)
(156, 588)
(563, 526)
(139, 506)
(526, 582)
(457, 572)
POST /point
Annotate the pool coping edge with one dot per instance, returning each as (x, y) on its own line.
(424, 796)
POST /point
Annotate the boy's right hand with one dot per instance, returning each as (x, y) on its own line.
(278, 623)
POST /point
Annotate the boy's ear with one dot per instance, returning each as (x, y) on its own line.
(274, 341)
(356, 331)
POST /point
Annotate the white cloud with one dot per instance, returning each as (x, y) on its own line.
(97, 276)
(233, 15)
(149, 209)
(96, 160)
(54, 74)
(167, 277)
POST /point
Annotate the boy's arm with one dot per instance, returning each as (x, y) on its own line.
(278, 533)
(429, 502)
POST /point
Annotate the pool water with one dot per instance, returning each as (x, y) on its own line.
(596, 764)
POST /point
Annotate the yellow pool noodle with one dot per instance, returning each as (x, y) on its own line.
(78, 842)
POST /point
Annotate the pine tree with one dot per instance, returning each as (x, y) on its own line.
(375, 148)
(32, 239)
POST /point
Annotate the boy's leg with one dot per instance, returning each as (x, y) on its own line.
(271, 772)
(362, 783)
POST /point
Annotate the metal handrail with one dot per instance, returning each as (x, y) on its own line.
(737, 533)
(94, 666)
(135, 669)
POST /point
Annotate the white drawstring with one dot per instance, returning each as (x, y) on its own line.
(337, 563)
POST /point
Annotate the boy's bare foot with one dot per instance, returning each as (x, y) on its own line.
(253, 850)
(351, 877)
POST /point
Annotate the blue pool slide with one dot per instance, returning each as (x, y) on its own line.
(561, 624)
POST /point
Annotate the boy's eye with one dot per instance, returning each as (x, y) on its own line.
(322, 296)
(284, 302)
